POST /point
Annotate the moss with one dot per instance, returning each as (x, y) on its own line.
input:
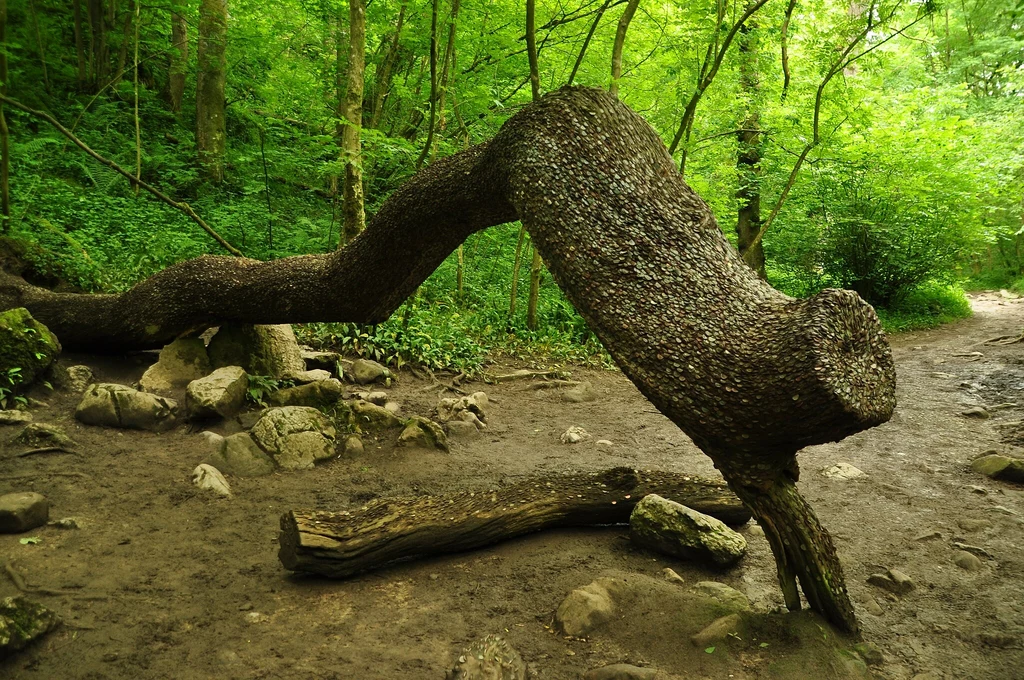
(27, 345)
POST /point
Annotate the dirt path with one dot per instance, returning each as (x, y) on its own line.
(163, 581)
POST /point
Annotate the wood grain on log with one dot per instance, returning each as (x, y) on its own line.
(340, 544)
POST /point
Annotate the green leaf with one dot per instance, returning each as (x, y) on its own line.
(31, 540)
(763, 645)
(709, 650)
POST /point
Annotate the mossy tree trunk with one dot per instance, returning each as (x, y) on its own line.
(750, 374)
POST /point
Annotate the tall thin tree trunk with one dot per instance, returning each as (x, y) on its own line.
(135, 85)
(5, 138)
(448, 67)
(531, 51)
(39, 44)
(516, 262)
(178, 67)
(211, 71)
(748, 153)
(98, 42)
(382, 88)
(126, 39)
(82, 75)
(352, 210)
(620, 41)
(433, 87)
(586, 41)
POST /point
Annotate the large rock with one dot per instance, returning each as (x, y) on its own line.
(120, 406)
(296, 437)
(422, 433)
(23, 511)
(220, 394)
(586, 608)
(365, 371)
(1000, 467)
(11, 417)
(674, 529)
(318, 394)
(370, 417)
(240, 456)
(22, 622)
(77, 378)
(180, 362)
(491, 658)
(209, 478)
(25, 345)
(260, 350)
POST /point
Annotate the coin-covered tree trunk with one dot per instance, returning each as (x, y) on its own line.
(750, 374)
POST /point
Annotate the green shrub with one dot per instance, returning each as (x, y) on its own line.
(927, 306)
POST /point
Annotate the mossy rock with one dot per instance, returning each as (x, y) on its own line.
(423, 433)
(22, 622)
(367, 417)
(27, 345)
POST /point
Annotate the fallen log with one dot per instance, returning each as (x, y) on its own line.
(340, 544)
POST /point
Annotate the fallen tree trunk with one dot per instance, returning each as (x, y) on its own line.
(340, 544)
(750, 374)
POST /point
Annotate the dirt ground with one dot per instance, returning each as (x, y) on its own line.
(162, 580)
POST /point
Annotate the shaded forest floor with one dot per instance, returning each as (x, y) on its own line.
(162, 580)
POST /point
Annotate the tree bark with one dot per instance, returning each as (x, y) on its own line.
(178, 68)
(100, 52)
(382, 81)
(353, 217)
(748, 153)
(586, 41)
(620, 42)
(750, 374)
(340, 544)
(211, 72)
(5, 134)
(531, 48)
(82, 73)
(433, 87)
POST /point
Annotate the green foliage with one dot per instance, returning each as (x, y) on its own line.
(260, 386)
(9, 380)
(927, 306)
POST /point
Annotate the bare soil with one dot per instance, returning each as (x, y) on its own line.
(162, 580)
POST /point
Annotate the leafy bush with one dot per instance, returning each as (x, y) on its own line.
(927, 306)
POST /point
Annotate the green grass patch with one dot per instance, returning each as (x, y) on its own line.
(927, 306)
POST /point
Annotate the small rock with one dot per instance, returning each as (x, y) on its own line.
(491, 658)
(621, 671)
(671, 576)
(23, 511)
(717, 630)
(296, 437)
(378, 398)
(967, 561)
(872, 607)
(319, 394)
(870, 652)
(22, 622)
(998, 640)
(586, 608)
(220, 394)
(979, 412)
(364, 372)
(972, 525)
(756, 529)
(929, 536)
(584, 392)
(240, 456)
(732, 599)
(78, 378)
(671, 528)
(12, 417)
(353, 446)
(249, 418)
(38, 435)
(209, 478)
(471, 409)
(256, 617)
(322, 361)
(370, 417)
(574, 435)
(180, 362)
(604, 442)
(120, 406)
(423, 433)
(393, 407)
(894, 581)
(973, 549)
(462, 430)
(65, 523)
(842, 472)
(1000, 467)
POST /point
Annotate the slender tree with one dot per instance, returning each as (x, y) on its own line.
(178, 55)
(620, 41)
(353, 218)
(433, 87)
(382, 84)
(748, 151)
(5, 137)
(211, 72)
(82, 74)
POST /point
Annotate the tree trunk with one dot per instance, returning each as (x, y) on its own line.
(340, 544)
(178, 68)
(352, 207)
(620, 42)
(5, 135)
(751, 375)
(82, 73)
(433, 87)
(99, 53)
(39, 44)
(748, 153)
(382, 84)
(531, 48)
(211, 72)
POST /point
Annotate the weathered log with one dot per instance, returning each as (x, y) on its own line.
(340, 544)
(750, 374)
